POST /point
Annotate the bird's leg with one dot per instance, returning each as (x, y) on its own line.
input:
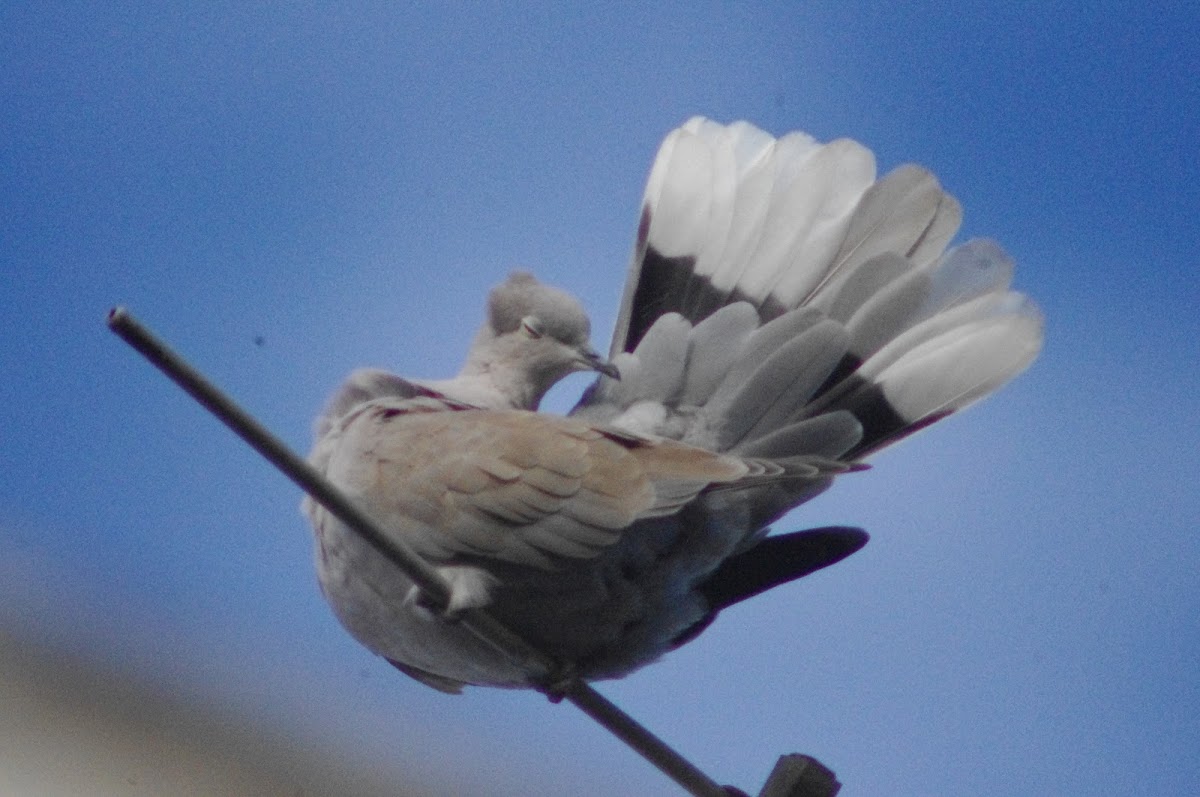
(558, 681)
(470, 588)
(430, 608)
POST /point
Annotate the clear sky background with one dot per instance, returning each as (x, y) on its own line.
(286, 192)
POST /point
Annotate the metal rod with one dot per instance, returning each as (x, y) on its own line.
(275, 451)
(576, 691)
(316, 485)
(636, 735)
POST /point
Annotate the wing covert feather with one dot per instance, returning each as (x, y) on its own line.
(514, 485)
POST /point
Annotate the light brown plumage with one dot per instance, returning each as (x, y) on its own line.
(514, 485)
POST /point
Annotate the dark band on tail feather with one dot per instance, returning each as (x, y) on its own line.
(670, 285)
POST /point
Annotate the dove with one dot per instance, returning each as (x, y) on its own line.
(785, 316)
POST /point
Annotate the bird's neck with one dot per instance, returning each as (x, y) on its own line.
(496, 378)
(495, 388)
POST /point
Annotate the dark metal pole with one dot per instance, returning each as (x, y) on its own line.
(431, 583)
(649, 746)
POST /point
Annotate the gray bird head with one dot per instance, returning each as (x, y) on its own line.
(534, 336)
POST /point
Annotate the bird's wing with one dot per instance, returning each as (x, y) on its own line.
(512, 485)
(365, 384)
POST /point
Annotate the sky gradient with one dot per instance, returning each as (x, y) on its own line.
(288, 192)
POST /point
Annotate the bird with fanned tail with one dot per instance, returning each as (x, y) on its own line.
(786, 315)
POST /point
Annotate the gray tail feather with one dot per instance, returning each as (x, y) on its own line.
(895, 350)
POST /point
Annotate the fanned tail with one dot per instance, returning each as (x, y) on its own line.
(784, 306)
(781, 302)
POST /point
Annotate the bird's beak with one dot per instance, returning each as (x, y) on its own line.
(591, 359)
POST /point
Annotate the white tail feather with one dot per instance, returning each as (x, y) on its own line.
(953, 370)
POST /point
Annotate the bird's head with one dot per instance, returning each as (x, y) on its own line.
(534, 336)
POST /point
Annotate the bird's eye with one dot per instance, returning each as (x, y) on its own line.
(532, 327)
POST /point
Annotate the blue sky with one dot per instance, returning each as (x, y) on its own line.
(288, 192)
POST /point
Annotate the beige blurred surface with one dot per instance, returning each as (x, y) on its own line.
(68, 727)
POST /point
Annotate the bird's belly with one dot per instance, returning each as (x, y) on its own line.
(599, 618)
(371, 599)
